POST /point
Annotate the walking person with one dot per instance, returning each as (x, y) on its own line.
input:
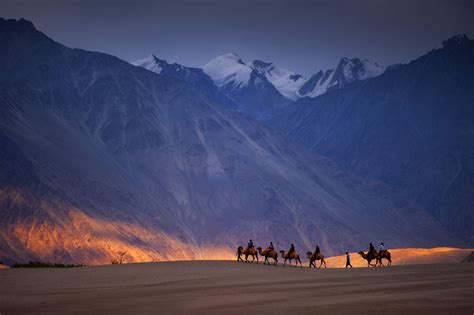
(348, 260)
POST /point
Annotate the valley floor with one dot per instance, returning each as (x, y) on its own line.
(227, 287)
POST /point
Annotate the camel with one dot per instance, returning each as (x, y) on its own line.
(247, 252)
(378, 256)
(313, 257)
(291, 255)
(268, 253)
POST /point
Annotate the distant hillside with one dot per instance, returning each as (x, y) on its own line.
(412, 128)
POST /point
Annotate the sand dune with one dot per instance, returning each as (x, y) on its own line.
(408, 256)
(227, 287)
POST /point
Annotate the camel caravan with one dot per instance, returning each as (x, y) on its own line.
(271, 256)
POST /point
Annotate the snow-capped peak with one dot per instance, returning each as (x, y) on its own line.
(285, 81)
(347, 71)
(151, 63)
(228, 69)
(358, 69)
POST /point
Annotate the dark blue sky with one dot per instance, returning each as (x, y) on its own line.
(300, 35)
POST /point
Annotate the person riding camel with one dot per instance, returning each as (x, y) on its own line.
(382, 247)
(292, 249)
(371, 248)
(271, 246)
(250, 244)
(318, 251)
(372, 252)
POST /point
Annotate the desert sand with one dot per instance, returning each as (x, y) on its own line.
(408, 256)
(228, 287)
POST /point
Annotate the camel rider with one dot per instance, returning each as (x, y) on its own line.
(372, 252)
(250, 244)
(382, 247)
(292, 249)
(371, 248)
(271, 246)
(318, 251)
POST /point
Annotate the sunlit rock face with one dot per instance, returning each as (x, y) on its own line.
(411, 127)
(98, 156)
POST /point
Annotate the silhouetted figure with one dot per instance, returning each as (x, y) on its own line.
(250, 244)
(372, 252)
(271, 246)
(292, 249)
(348, 260)
(318, 251)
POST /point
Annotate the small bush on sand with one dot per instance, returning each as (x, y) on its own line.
(121, 257)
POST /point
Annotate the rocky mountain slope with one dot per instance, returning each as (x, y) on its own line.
(194, 76)
(412, 128)
(99, 156)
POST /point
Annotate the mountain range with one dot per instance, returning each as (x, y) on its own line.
(261, 88)
(99, 156)
(412, 128)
